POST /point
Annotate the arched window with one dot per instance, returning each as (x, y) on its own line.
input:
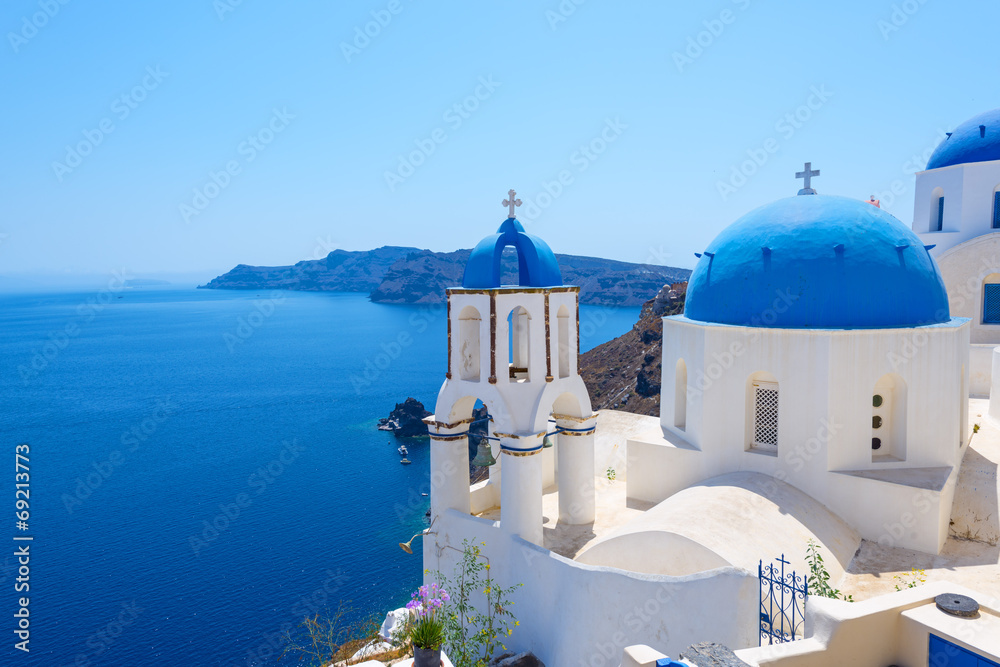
(991, 299)
(563, 341)
(996, 207)
(518, 323)
(680, 395)
(762, 408)
(889, 419)
(469, 325)
(937, 210)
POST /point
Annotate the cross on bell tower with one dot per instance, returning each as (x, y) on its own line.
(511, 202)
(806, 174)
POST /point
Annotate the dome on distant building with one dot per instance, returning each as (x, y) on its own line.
(821, 262)
(975, 140)
(537, 266)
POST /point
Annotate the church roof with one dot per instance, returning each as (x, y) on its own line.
(975, 140)
(817, 261)
(537, 266)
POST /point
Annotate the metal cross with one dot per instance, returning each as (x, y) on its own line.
(511, 202)
(807, 175)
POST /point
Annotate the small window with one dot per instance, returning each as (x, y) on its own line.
(876, 443)
(991, 303)
(940, 214)
(996, 210)
(877, 401)
(876, 422)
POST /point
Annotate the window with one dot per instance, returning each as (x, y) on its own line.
(889, 419)
(518, 323)
(764, 434)
(935, 215)
(996, 210)
(991, 303)
(939, 223)
(680, 395)
(469, 324)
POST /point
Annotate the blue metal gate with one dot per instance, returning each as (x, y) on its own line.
(782, 603)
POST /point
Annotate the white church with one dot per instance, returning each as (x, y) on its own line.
(817, 387)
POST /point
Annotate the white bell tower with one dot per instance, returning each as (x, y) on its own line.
(515, 348)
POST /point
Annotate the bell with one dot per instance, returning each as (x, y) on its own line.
(547, 442)
(484, 455)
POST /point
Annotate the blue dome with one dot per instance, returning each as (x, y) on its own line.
(537, 266)
(817, 262)
(975, 140)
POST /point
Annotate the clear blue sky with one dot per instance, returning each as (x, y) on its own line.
(678, 129)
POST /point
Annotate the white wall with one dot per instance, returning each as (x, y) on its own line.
(826, 381)
(573, 614)
(968, 202)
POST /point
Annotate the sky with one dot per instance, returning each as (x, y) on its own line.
(183, 138)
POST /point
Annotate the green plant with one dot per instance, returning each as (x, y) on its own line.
(912, 579)
(611, 474)
(474, 632)
(322, 639)
(819, 577)
(975, 428)
(426, 629)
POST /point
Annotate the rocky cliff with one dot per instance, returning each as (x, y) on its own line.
(408, 275)
(624, 373)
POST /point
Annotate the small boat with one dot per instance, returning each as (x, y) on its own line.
(405, 461)
(402, 450)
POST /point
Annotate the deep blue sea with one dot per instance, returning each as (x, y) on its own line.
(205, 469)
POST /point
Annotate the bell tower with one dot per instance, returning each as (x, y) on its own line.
(515, 348)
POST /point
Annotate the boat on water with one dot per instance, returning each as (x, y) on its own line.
(402, 450)
(405, 461)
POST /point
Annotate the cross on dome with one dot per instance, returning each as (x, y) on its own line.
(511, 202)
(807, 174)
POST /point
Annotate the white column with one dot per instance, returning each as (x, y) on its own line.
(576, 470)
(521, 488)
(450, 469)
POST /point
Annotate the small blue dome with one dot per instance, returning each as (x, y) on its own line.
(537, 266)
(817, 262)
(975, 140)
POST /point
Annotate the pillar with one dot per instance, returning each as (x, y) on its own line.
(521, 488)
(576, 469)
(449, 468)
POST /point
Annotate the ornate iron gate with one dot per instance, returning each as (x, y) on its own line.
(782, 603)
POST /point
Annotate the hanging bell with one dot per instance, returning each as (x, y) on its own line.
(484, 455)
(547, 442)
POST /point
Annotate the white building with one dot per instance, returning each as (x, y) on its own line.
(957, 209)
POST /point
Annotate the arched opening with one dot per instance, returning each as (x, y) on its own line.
(562, 317)
(996, 207)
(518, 324)
(762, 411)
(991, 299)
(889, 419)
(680, 394)
(937, 210)
(469, 326)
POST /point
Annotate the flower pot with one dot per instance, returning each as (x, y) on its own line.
(426, 657)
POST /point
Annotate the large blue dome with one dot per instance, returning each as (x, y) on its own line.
(817, 261)
(537, 265)
(975, 140)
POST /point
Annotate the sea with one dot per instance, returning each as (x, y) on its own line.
(203, 469)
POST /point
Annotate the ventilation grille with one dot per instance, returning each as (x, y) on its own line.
(765, 426)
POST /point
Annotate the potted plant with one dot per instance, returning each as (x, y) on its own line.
(426, 629)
